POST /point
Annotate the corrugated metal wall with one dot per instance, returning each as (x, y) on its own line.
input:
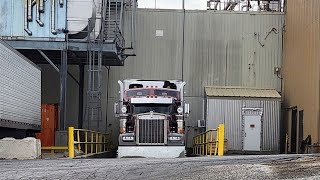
(229, 112)
(301, 63)
(20, 89)
(220, 48)
(223, 49)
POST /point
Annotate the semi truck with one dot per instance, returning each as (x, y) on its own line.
(151, 115)
(20, 94)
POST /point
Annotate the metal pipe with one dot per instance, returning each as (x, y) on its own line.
(49, 61)
(26, 23)
(63, 88)
(132, 19)
(216, 6)
(38, 19)
(81, 90)
(41, 6)
(29, 10)
(53, 18)
(61, 3)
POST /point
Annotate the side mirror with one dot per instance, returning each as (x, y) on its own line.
(116, 109)
(187, 108)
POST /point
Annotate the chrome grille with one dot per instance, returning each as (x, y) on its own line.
(151, 131)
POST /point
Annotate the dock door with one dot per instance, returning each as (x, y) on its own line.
(252, 129)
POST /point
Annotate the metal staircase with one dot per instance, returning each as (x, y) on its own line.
(113, 19)
(110, 32)
(93, 105)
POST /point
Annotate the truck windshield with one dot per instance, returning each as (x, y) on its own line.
(159, 108)
(161, 92)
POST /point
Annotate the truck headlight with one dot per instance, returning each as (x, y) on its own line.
(180, 110)
(124, 109)
(127, 138)
(174, 138)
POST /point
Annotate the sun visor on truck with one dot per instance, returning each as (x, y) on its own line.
(151, 100)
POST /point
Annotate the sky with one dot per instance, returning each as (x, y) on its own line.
(173, 4)
(177, 4)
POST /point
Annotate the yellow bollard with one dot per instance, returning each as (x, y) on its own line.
(71, 142)
(221, 140)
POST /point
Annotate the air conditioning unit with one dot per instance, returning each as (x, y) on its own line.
(201, 123)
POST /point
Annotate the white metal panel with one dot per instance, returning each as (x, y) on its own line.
(252, 133)
(20, 88)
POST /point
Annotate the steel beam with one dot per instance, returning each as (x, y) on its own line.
(58, 45)
(81, 90)
(63, 88)
(49, 61)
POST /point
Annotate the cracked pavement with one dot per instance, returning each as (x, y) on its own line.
(227, 167)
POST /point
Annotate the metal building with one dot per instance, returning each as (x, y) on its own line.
(251, 117)
(301, 72)
(202, 48)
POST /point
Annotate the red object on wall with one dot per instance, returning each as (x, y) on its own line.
(49, 124)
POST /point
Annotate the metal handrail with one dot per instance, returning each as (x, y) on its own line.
(119, 37)
(203, 143)
(94, 142)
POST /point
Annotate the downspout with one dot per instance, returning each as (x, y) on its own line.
(133, 9)
(108, 79)
(38, 19)
(61, 3)
(41, 6)
(183, 39)
(26, 23)
(29, 15)
(53, 17)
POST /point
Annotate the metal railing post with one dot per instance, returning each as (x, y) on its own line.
(91, 149)
(207, 142)
(221, 140)
(97, 139)
(71, 142)
(86, 143)
(78, 140)
(211, 142)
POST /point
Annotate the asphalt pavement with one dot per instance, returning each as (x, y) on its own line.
(227, 167)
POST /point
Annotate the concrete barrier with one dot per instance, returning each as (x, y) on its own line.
(27, 148)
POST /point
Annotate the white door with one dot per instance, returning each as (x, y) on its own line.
(252, 132)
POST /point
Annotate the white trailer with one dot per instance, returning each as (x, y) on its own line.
(20, 93)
